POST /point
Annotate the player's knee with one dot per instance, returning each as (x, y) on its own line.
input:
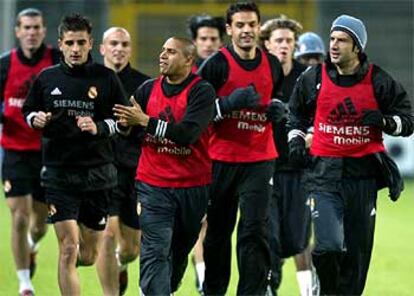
(331, 245)
(254, 228)
(109, 237)
(129, 253)
(108, 246)
(38, 230)
(21, 220)
(88, 257)
(159, 251)
(68, 253)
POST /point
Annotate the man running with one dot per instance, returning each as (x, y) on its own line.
(174, 170)
(72, 104)
(351, 102)
(121, 240)
(22, 158)
(243, 152)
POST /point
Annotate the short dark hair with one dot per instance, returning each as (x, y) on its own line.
(189, 49)
(74, 22)
(241, 6)
(30, 12)
(199, 21)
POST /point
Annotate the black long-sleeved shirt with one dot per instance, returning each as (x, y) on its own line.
(127, 148)
(87, 90)
(279, 129)
(196, 118)
(326, 173)
(199, 61)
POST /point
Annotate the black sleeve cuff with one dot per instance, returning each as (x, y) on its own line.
(152, 126)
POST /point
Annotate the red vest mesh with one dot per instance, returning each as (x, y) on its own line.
(337, 128)
(244, 135)
(162, 162)
(17, 135)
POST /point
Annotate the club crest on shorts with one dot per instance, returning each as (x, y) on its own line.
(139, 209)
(92, 92)
(7, 186)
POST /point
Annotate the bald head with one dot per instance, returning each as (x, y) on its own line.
(116, 48)
(112, 30)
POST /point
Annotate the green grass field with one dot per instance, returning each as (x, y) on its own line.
(390, 273)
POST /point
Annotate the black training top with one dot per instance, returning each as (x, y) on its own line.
(87, 90)
(127, 148)
(279, 129)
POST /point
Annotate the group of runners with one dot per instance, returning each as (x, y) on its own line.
(269, 131)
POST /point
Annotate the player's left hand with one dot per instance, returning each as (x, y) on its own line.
(276, 111)
(297, 152)
(373, 118)
(86, 124)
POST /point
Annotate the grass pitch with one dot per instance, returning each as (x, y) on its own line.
(391, 270)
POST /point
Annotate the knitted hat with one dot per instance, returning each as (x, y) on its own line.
(352, 26)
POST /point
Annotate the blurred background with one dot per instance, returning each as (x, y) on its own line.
(390, 25)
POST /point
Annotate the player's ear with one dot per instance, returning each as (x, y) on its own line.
(102, 49)
(60, 44)
(228, 30)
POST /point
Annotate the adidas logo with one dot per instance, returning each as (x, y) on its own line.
(344, 111)
(271, 181)
(102, 222)
(56, 92)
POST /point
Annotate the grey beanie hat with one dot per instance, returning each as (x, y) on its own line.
(352, 26)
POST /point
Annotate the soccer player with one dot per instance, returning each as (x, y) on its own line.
(289, 223)
(207, 34)
(72, 104)
(352, 102)
(243, 152)
(174, 170)
(122, 230)
(310, 49)
(22, 159)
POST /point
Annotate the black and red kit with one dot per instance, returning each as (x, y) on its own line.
(123, 201)
(22, 159)
(245, 135)
(348, 164)
(243, 153)
(173, 177)
(17, 135)
(189, 165)
(337, 136)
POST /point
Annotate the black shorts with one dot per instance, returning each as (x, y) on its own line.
(80, 179)
(123, 200)
(21, 174)
(88, 208)
(289, 208)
